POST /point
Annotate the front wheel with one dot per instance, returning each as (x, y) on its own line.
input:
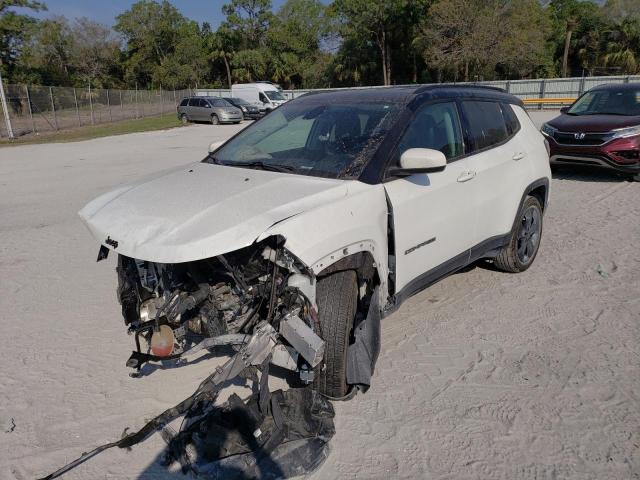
(215, 120)
(523, 247)
(337, 299)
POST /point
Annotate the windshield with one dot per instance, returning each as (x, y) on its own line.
(608, 102)
(317, 139)
(274, 95)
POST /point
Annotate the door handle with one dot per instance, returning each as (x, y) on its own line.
(466, 176)
(519, 156)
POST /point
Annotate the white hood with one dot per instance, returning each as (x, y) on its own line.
(202, 210)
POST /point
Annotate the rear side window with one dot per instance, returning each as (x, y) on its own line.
(487, 126)
(513, 125)
(194, 102)
(184, 102)
(437, 127)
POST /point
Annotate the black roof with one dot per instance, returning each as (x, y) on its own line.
(617, 86)
(405, 94)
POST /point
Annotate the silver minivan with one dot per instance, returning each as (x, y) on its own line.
(208, 109)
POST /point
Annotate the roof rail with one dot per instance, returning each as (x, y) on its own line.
(459, 85)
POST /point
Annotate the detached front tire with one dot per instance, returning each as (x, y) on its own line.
(523, 247)
(337, 299)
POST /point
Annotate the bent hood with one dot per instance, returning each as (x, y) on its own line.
(202, 210)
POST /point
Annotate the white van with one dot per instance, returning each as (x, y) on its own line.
(264, 95)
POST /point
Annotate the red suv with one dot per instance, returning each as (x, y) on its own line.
(601, 128)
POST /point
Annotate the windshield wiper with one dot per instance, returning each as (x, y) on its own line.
(257, 164)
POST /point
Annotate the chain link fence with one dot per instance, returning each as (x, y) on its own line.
(542, 88)
(37, 109)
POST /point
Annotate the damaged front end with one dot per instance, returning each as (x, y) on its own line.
(175, 310)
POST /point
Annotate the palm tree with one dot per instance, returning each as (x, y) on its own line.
(623, 47)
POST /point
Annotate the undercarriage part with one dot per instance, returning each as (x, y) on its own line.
(254, 353)
(173, 308)
(241, 440)
(302, 338)
(363, 352)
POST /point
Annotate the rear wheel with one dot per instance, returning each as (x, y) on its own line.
(184, 119)
(337, 299)
(215, 120)
(523, 247)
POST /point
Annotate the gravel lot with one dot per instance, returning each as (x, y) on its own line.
(483, 375)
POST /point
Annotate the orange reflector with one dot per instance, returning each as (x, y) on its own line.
(162, 341)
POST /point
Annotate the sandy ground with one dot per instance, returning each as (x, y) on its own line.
(483, 375)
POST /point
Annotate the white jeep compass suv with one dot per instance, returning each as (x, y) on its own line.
(319, 219)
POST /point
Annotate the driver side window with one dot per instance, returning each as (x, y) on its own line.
(437, 127)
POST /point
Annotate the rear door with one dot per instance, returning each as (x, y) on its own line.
(433, 214)
(205, 110)
(499, 163)
(193, 108)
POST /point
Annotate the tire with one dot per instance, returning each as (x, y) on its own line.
(184, 119)
(215, 120)
(524, 244)
(635, 178)
(337, 298)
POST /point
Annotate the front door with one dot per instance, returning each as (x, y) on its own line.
(500, 164)
(433, 214)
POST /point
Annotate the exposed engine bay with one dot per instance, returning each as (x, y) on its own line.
(177, 309)
(261, 302)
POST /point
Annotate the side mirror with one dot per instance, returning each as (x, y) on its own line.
(564, 109)
(207, 105)
(213, 146)
(420, 160)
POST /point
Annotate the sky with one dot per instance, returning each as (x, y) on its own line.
(105, 11)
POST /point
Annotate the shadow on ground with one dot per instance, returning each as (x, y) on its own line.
(589, 174)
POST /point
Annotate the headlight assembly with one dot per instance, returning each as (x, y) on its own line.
(626, 132)
(548, 130)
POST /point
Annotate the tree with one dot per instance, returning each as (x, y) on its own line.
(46, 56)
(465, 37)
(15, 29)
(151, 31)
(244, 36)
(249, 19)
(220, 45)
(93, 52)
(371, 18)
(619, 10)
(569, 17)
(622, 48)
(294, 39)
(524, 28)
